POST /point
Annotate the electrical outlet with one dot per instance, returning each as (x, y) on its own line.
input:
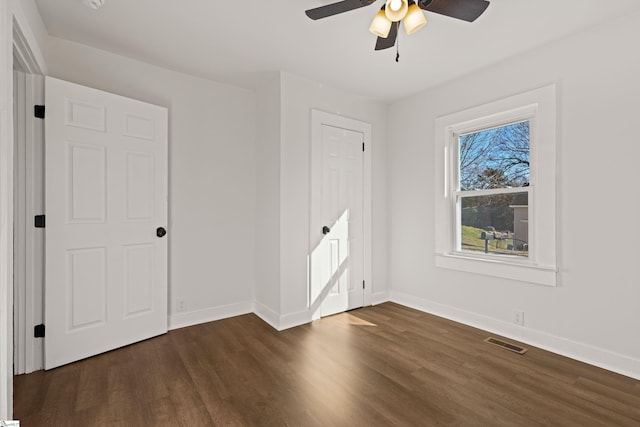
(182, 305)
(518, 317)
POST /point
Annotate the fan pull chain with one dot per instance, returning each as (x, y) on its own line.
(398, 42)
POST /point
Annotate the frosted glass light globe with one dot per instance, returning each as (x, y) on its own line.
(396, 9)
(395, 5)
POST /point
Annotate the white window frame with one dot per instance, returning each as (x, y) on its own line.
(539, 108)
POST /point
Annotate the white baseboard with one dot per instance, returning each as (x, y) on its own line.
(181, 320)
(379, 298)
(267, 314)
(291, 320)
(294, 319)
(283, 322)
(582, 352)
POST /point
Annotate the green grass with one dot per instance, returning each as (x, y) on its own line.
(471, 241)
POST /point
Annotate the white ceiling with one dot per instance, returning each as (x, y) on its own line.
(237, 41)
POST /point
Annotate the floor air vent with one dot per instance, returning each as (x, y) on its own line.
(506, 345)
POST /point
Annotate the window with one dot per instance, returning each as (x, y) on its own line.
(495, 188)
(492, 190)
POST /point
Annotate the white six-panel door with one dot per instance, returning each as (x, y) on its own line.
(106, 198)
(340, 253)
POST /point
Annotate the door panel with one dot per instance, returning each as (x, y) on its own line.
(139, 187)
(106, 193)
(138, 283)
(86, 176)
(86, 287)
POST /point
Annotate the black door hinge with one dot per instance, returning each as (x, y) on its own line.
(38, 111)
(363, 284)
(39, 221)
(38, 331)
(363, 146)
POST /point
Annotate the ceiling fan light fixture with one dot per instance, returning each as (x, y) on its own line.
(415, 19)
(380, 26)
(396, 9)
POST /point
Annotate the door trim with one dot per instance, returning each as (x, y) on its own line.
(318, 119)
(28, 263)
(15, 36)
(29, 241)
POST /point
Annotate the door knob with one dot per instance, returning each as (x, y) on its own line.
(326, 230)
(161, 232)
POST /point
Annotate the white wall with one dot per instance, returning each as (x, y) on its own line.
(212, 181)
(299, 96)
(268, 137)
(593, 314)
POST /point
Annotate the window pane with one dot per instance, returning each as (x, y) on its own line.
(495, 158)
(496, 224)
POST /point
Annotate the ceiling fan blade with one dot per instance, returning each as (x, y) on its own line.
(390, 41)
(467, 10)
(336, 8)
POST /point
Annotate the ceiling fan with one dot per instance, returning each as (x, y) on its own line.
(387, 20)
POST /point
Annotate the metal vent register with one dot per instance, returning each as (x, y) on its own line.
(508, 346)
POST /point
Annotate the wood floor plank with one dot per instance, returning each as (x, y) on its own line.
(377, 366)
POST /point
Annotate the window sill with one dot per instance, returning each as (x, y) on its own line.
(504, 268)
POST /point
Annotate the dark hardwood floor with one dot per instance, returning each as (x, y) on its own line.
(385, 365)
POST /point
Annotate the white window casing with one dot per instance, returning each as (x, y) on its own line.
(539, 108)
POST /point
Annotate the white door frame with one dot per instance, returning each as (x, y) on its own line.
(29, 260)
(28, 240)
(18, 37)
(318, 119)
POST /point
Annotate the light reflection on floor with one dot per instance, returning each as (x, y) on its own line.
(346, 319)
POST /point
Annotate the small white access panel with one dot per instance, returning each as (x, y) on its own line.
(106, 216)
